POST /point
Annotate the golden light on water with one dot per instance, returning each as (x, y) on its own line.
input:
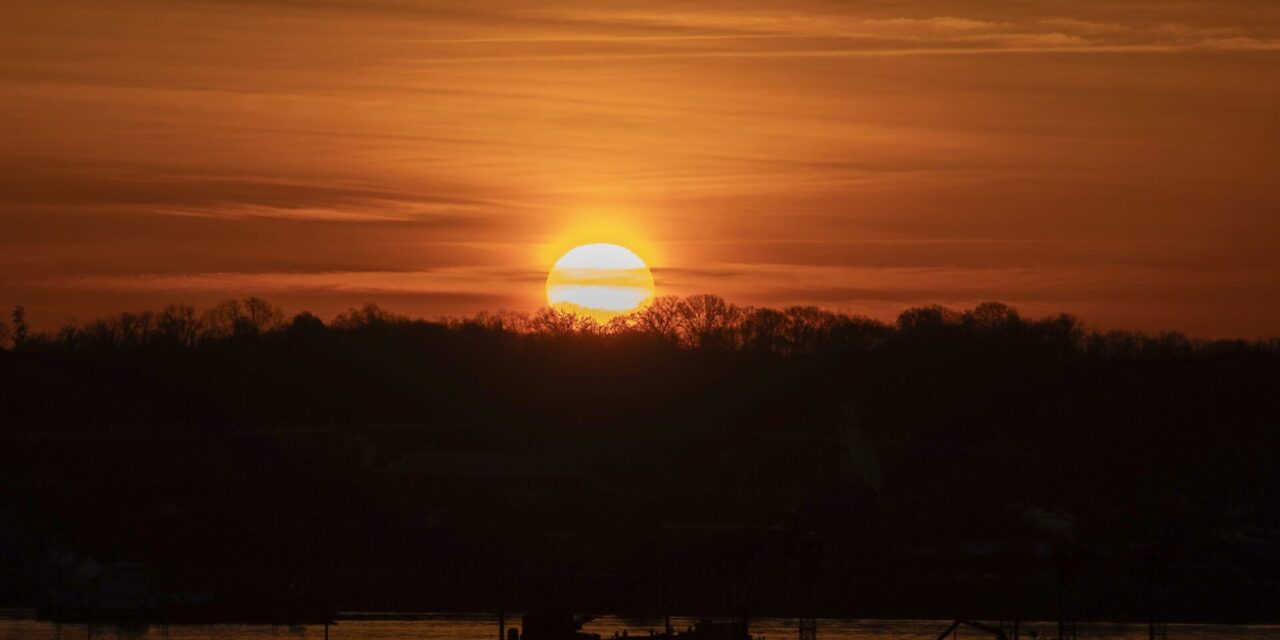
(600, 281)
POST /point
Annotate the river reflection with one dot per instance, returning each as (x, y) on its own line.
(485, 627)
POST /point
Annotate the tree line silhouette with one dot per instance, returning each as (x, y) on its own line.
(703, 321)
(392, 462)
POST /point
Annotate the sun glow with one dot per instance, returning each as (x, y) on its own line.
(600, 281)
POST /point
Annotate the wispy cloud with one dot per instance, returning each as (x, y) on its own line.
(428, 153)
(445, 280)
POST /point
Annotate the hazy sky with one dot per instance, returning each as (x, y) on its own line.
(1114, 159)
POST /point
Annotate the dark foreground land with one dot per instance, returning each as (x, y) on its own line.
(701, 459)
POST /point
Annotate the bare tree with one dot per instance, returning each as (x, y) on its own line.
(708, 321)
(499, 321)
(809, 327)
(133, 329)
(860, 332)
(177, 324)
(69, 335)
(19, 326)
(261, 316)
(991, 315)
(662, 318)
(306, 322)
(554, 322)
(926, 322)
(220, 320)
(620, 325)
(369, 315)
(247, 317)
(763, 329)
(1063, 330)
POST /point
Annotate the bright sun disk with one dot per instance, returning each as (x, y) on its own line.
(600, 281)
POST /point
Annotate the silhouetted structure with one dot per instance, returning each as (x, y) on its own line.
(997, 632)
(555, 625)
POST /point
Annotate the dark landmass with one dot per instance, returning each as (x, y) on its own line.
(698, 458)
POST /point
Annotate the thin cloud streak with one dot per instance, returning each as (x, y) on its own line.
(1226, 45)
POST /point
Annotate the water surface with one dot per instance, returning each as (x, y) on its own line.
(485, 627)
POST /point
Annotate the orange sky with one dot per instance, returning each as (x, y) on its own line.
(1114, 159)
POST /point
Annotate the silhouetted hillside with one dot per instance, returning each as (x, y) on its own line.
(952, 463)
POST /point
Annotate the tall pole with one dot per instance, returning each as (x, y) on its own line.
(1061, 630)
(666, 581)
(1062, 596)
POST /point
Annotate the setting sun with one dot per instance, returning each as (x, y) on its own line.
(600, 281)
